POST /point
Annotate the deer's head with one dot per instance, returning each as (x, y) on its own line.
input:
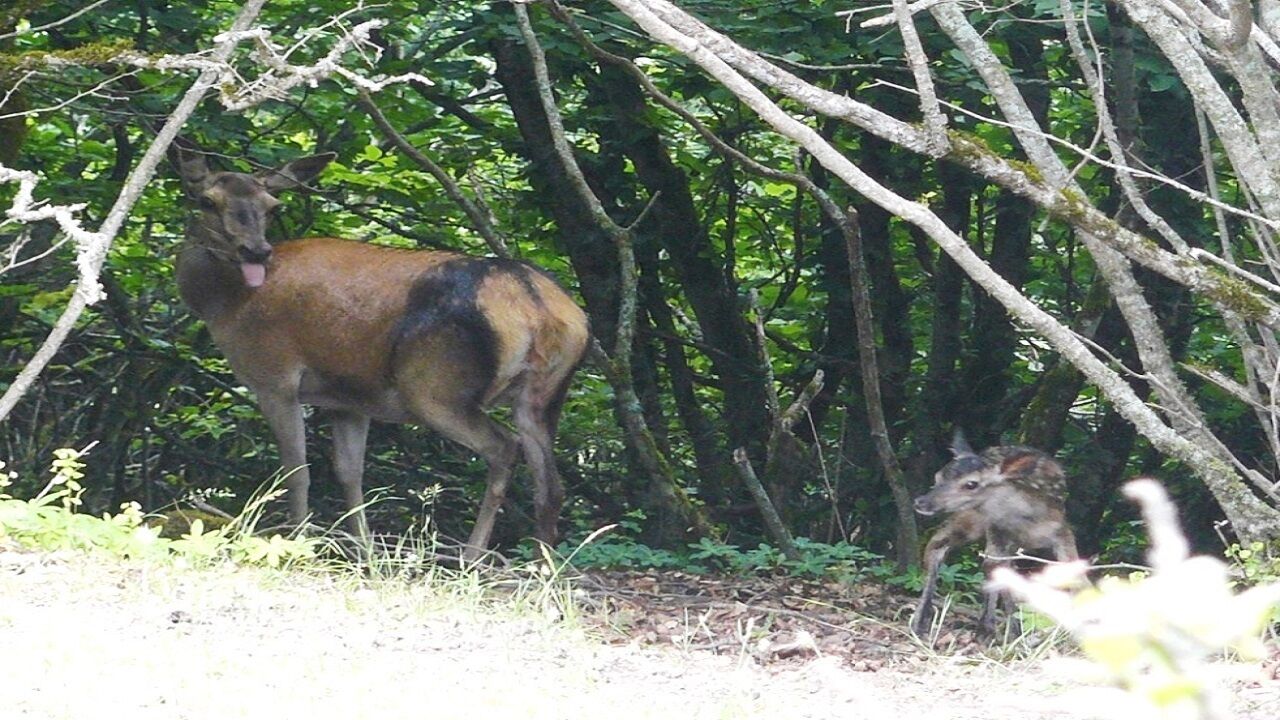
(234, 208)
(962, 483)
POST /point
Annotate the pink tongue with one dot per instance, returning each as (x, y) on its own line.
(254, 273)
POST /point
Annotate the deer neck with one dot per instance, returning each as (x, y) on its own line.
(209, 279)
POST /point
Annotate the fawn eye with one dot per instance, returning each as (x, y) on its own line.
(206, 202)
(970, 485)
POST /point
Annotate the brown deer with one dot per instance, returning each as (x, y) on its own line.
(1011, 495)
(372, 332)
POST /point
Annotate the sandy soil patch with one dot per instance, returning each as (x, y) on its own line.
(87, 638)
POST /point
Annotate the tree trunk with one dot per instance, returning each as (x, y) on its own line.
(709, 457)
(986, 409)
(595, 261)
(939, 401)
(889, 302)
(675, 224)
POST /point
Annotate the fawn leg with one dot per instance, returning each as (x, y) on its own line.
(934, 553)
(996, 555)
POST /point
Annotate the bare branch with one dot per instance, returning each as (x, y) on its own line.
(771, 518)
(1093, 80)
(1251, 159)
(281, 77)
(1246, 517)
(935, 123)
(480, 219)
(1068, 206)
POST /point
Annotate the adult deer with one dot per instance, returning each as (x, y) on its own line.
(1012, 496)
(374, 332)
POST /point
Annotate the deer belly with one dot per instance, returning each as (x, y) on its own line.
(337, 392)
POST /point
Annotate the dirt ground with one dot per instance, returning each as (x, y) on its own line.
(86, 638)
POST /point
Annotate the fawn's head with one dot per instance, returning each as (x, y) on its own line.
(962, 483)
(234, 208)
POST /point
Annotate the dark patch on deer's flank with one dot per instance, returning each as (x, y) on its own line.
(445, 299)
(522, 272)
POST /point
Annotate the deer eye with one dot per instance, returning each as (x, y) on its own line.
(970, 485)
(206, 202)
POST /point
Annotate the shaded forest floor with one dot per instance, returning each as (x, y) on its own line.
(85, 637)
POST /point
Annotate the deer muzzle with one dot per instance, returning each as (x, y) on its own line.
(924, 505)
(253, 264)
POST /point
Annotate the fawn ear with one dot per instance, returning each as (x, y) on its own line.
(959, 446)
(1019, 465)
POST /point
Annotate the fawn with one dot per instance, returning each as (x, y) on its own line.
(1010, 494)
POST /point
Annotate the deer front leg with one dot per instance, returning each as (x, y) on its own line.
(350, 431)
(1064, 546)
(934, 553)
(996, 554)
(283, 414)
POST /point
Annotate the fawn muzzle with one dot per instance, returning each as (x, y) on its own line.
(925, 506)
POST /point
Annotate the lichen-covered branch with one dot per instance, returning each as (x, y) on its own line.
(973, 154)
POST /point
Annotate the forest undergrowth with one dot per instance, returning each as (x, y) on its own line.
(193, 624)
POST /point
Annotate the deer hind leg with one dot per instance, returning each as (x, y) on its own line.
(537, 413)
(463, 421)
(350, 430)
(445, 372)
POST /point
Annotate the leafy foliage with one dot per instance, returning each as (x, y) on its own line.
(52, 521)
(1258, 564)
(143, 379)
(842, 562)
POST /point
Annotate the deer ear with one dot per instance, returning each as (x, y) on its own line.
(191, 168)
(959, 446)
(1018, 465)
(296, 173)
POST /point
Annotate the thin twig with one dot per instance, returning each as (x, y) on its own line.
(55, 23)
(480, 220)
